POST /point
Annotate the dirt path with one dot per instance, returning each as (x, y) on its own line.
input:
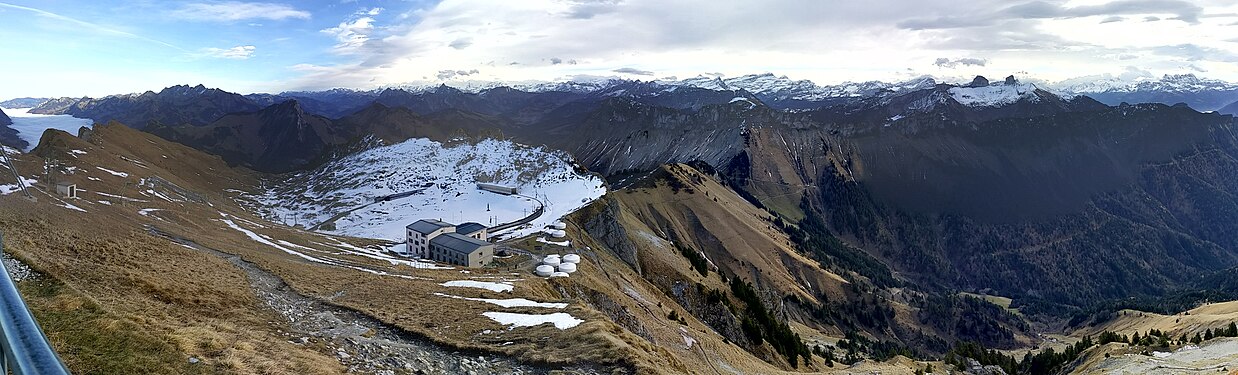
(364, 344)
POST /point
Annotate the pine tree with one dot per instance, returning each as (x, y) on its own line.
(1197, 339)
(1208, 335)
(1232, 331)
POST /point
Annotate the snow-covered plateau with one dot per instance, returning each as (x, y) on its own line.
(440, 182)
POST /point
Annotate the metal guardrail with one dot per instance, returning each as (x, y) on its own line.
(25, 348)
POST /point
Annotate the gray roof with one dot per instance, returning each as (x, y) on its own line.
(458, 243)
(469, 228)
(426, 226)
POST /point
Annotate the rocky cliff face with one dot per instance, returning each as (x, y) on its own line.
(4, 119)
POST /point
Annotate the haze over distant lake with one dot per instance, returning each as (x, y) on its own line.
(30, 126)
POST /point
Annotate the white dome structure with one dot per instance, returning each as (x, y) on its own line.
(571, 258)
(567, 267)
(559, 225)
(544, 270)
(552, 261)
(559, 274)
(556, 233)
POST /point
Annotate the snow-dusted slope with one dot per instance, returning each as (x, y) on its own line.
(442, 182)
(993, 96)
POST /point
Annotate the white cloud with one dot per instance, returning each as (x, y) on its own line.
(876, 39)
(234, 53)
(633, 71)
(229, 11)
(354, 32)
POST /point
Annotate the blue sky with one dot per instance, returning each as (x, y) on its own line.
(100, 47)
(72, 48)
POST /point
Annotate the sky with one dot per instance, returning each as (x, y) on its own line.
(54, 48)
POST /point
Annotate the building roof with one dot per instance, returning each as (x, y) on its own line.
(427, 226)
(469, 228)
(458, 243)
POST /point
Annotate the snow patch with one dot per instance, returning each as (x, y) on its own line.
(557, 243)
(13, 188)
(510, 302)
(493, 287)
(560, 320)
(114, 173)
(71, 207)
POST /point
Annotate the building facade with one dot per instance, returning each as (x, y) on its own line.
(421, 232)
(463, 245)
(461, 250)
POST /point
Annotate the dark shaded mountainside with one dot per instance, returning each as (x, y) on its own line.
(8, 136)
(177, 105)
(911, 197)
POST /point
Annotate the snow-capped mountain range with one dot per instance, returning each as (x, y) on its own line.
(1167, 83)
(783, 88)
(782, 91)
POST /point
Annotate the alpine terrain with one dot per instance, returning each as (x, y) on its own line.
(619, 187)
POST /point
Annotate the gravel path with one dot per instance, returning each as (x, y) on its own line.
(364, 344)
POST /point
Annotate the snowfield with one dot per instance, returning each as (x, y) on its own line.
(493, 287)
(440, 182)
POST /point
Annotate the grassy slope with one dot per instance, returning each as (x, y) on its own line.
(116, 300)
(106, 256)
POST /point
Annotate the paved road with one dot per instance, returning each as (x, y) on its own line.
(541, 209)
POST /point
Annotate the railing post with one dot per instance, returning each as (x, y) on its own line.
(25, 347)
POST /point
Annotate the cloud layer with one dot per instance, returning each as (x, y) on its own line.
(823, 41)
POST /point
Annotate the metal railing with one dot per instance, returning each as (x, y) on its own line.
(25, 348)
